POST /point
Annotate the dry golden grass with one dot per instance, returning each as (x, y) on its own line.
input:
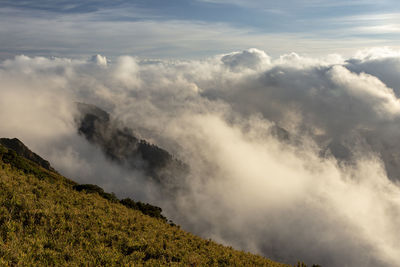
(44, 222)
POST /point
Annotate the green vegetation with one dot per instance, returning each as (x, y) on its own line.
(48, 220)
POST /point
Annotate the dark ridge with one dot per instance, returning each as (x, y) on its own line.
(122, 146)
(279, 132)
(23, 151)
(92, 116)
(339, 151)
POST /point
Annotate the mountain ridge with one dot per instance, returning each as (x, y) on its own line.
(120, 145)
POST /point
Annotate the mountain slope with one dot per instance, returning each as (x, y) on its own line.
(120, 145)
(45, 222)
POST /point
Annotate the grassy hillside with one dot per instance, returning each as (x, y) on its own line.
(44, 221)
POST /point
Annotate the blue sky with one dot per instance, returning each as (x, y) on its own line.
(194, 28)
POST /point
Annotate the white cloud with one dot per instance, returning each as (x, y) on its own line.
(99, 60)
(252, 59)
(287, 198)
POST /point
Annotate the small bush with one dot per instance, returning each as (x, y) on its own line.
(92, 188)
(152, 211)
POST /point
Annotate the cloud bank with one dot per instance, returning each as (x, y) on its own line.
(294, 158)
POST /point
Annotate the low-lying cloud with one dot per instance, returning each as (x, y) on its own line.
(324, 191)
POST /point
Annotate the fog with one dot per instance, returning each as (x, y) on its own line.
(326, 193)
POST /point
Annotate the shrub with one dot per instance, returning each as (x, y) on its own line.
(145, 208)
(92, 188)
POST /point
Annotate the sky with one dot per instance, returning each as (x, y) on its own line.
(194, 28)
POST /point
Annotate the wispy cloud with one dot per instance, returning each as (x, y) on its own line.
(294, 3)
(378, 24)
(369, 17)
(116, 32)
(192, 29)
(379, 29)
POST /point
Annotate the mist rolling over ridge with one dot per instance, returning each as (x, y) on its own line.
(291, 157)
